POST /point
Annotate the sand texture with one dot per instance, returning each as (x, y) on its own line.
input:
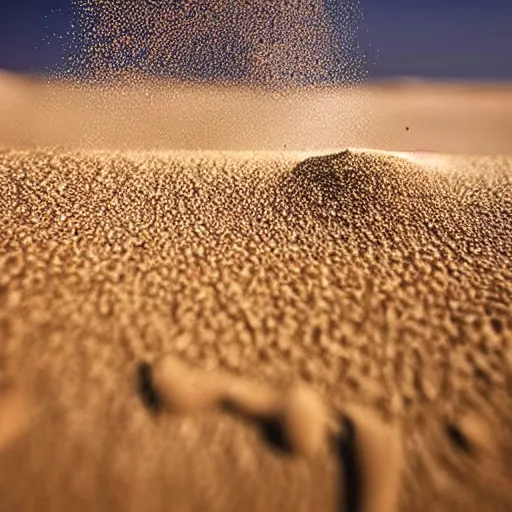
(380, 280)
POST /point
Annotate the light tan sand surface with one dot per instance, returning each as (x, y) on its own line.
(377, 279)
(402, 115)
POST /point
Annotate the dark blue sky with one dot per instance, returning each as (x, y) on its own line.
(440, 38)
(431, 38)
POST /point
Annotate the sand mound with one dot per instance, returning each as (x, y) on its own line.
(357, 186)
(370, 276)
(447, 199)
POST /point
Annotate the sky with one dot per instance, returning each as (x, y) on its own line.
(469, 39)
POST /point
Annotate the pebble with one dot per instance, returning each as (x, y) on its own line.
(183, 389)
(379, 460)
(305, 421)
(251, 399)
(481, 435)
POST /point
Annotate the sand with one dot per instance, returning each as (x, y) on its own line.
(444, 117)
(381, 280)
(228, 228)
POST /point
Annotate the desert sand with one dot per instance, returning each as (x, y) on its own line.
(402, 115)
(381, 279)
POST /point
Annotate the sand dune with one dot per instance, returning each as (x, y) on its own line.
(380, 279)
(455, 118)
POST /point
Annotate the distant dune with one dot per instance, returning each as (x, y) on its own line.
(404, 115)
